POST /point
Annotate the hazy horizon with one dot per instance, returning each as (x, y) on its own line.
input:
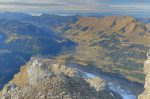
(139, 8)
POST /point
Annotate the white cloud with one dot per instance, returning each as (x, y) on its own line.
(81, 6)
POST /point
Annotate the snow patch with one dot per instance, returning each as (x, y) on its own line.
(89, 75)
(124, 93)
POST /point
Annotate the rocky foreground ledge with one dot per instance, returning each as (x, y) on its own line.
(45, 79)
(146, 93)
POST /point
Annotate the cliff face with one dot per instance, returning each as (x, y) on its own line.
(44, 79)
(146, 93)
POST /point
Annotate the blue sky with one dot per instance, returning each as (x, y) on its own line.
(126, 7)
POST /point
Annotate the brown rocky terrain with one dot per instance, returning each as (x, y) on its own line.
(45, 79)
(115, 44)
(126, 26)
(146, 93)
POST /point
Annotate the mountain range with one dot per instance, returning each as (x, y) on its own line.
(113, 44)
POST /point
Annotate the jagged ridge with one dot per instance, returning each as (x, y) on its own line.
(44, 79)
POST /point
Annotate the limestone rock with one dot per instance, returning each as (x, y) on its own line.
(47, 80)
(37, 71)
(146, 93)
(97, 83)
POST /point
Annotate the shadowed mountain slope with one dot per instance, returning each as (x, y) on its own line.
(19, 41)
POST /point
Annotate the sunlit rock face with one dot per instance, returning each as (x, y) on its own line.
(48, 80)
(37, 71)
(146, 93)
(97, 83)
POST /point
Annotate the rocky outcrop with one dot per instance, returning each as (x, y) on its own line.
(97, 83)
(48, 80)
(37, 71)
(146, 93)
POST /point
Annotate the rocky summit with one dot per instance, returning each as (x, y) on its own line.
(146, 93)
(45, 79)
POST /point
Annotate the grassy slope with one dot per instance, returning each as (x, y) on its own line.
(115, 44)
